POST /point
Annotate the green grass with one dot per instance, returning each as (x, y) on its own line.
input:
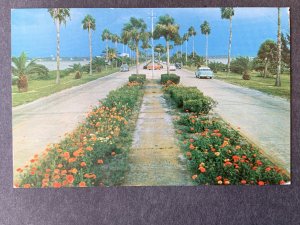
(257, 82)
(41, 88)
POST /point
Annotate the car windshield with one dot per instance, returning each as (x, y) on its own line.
(205, 71)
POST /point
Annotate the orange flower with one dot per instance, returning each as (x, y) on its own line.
(192, 147)
(281, 182)
(56, 184)
(243, 182)
(32, 160)
(268, 169)
(82, 164)
(219, 178)
(78, 152)
(48, 170)
(72, 160)
(188, 154)
(235, 158)
(59, 165)
(26, 186)
(97, 124)
(261, 183)
(19, 170)
(90, 175)
(100, 161)
(82, 184)
(194, 177)
(66, 155)
(113, 153)
(63, 172)
(226, 181)
(74, 170)
(89, 148)
(202, 169)
(220, 182)
(56, 171)
(70, 179)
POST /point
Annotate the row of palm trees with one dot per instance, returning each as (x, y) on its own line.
(135, 31)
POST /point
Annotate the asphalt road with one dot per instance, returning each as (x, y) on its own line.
(46, 120)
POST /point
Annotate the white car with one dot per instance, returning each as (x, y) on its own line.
(172, 68)
(205, 72)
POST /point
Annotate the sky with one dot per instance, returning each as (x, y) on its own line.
(33, 30)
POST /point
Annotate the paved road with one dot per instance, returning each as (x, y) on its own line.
(46, 120)
(262, 118)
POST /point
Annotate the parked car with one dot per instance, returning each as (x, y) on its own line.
(178, 65)
(145, 66)
(124, 68)
(205, 72)
(172, 68)
(156, 66)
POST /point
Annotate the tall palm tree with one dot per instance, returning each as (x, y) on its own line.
(186, 39)
(278, 80)
(135, 31)
(116, 39)
(160, 49)
(178, 42)
(22, 70)
(205, 29)
(59, 15)
(228, 13)
(192, 33)
(106, 36)
(167, 28)
(89, 23)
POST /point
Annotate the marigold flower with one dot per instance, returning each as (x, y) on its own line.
(219, 178)
(26, 186)
(113, 153)
(70, 179)
(281, 182)
(268, 169)
(100, 161)
(82, 164)
(194, 177)
(237, 147)
(73, 159)
(89, 148)
(59, 165)
(56, 184)
(192, 140)
(220, 182)
(243, 182)
(235, 158)
(192, 147)
(66, 155)
(226, 181)
(261, 183)
(202, 169)
(82, 184)
(74, 170)
(217, 153)
(188, 154)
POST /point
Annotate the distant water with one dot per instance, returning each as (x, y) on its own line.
(51, 65)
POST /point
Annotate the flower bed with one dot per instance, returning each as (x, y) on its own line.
(95, 154)
(217, 154)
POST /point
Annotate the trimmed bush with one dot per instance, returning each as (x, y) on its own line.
(78, 75)
(191, 99)
(140, 78)
(170, 77)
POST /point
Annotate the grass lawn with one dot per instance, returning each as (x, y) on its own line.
(41, 88)
(257, 82)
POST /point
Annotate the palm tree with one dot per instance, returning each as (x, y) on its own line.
(192, 33)
(186, 39)
(228, 13)
(278, 80)
(89, 23)
(115, 39)
(160, 49)
(166, 28)
(22, 70)
(106, 35)
(59, 16)
(135, 31)
(178, 42)
(205, 29)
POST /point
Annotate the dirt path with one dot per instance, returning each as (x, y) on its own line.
(155, 158)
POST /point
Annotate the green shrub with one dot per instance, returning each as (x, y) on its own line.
(78, 75)
(170, 77)
(140, 78)
(14, 80)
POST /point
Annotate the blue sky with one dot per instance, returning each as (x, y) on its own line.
(33, 30)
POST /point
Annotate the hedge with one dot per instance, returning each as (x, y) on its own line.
(170, 77)
(139, 78)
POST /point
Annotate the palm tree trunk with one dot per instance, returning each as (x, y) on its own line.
(106, 54)
(181, 51)
(90, 42)
(168, 58)
(229, 47)
(57, 51)
(137, 57)
(186, 52)
(206, 51)
(193, 46)
(278, 81)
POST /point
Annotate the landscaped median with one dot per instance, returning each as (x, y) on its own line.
(95, 154)
(216, 153)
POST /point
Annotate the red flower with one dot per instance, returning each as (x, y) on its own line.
(57, 185)
(261, 183)
(202, 169)
(70, 179)
(243, 182)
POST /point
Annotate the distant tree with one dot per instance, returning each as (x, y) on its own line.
(160, 49)
(243, 66)
(185, 39)
(205, 29)
(59, 15)
(267, 53)
(167, 28)
(228, 13)
(115, 39)
(135, 31)
(89, 23)
(106, 36)
(192, 32)
(285, 50)
(22, 69)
